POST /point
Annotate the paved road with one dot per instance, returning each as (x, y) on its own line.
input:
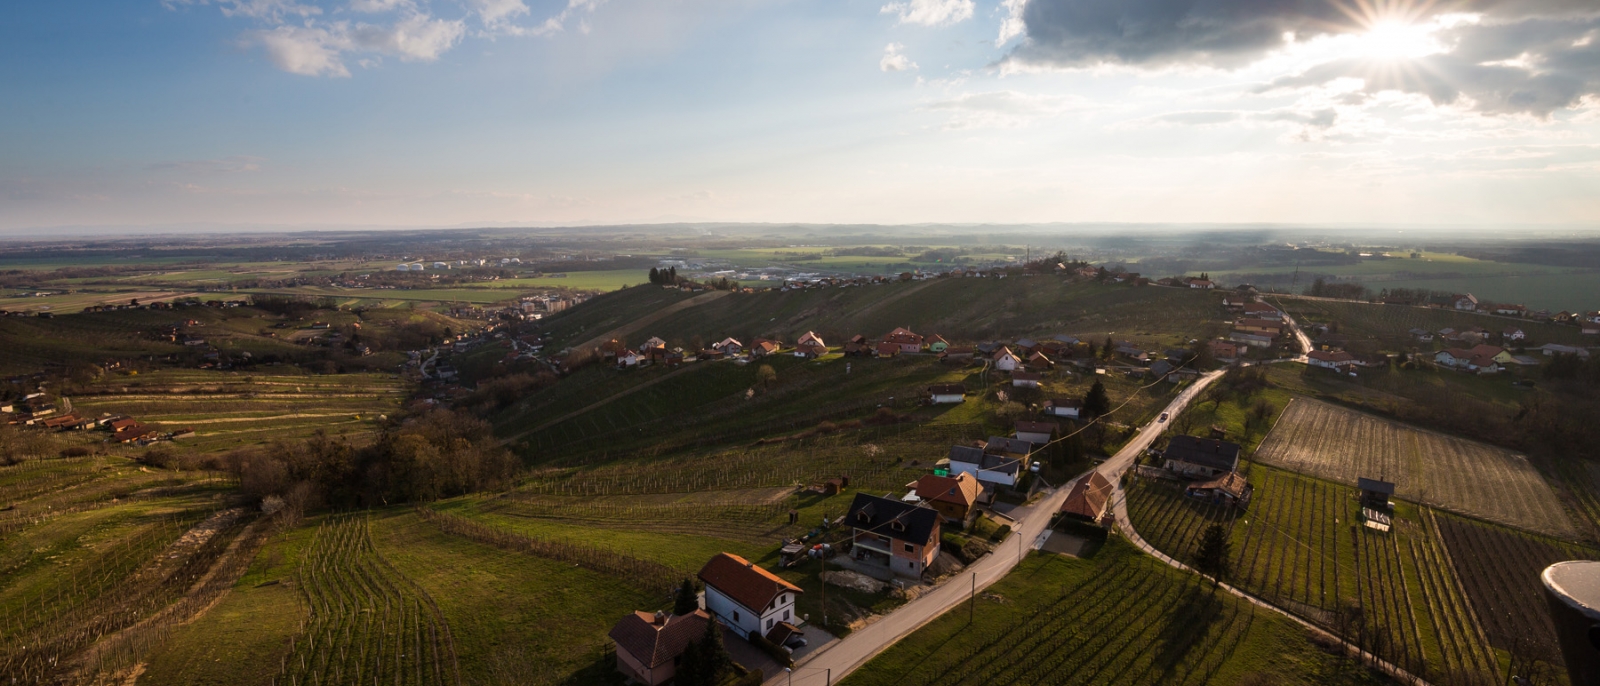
(854, 650)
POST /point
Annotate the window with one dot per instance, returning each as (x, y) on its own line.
(785, 615)
(910, 548)
(735, 615)
(769, 624)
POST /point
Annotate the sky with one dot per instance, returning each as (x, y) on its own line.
(423, 113)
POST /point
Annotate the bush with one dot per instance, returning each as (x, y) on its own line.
(75, 451)
(1001, 533)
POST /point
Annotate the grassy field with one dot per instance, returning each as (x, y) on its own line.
(1447, 472)
(1119, 618)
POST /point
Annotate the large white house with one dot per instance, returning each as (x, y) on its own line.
(747, 597)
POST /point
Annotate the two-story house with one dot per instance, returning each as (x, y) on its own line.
(898, 536)
(745, 596)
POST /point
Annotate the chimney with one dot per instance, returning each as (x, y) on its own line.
(661, 617)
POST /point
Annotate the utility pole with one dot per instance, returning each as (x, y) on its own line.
(822, 556)
(972, 603)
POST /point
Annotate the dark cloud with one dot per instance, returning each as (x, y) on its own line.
(1161, 32)
(1534, 66)
(1524, 56)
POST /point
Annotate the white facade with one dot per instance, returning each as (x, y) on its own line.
(1033, 436)
(1058, 411)
(746, 620)
(940, 399)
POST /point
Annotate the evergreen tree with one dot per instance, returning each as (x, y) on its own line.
(706, 660)
(686, 602)
(1096, 402)
(1211, 557)
(655, 276)
(1107, 347)
(672, 275)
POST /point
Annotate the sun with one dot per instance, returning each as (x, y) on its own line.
(1393, 40)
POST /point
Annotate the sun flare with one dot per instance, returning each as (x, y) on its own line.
(1395, 40)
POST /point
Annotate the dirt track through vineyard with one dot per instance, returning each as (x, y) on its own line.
(1450, 473)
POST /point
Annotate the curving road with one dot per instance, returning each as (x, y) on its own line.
(847, 654)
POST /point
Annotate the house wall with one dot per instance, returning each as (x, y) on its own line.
(1033, 436)
(995, 477)
(950, 398)
(732, 613)
(949, 510)
(629, 665)
(1071, 412)
(1024, 383)
(1005, 364)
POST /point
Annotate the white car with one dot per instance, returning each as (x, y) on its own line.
(1163, 417)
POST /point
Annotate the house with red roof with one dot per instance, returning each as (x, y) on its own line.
(909, 342)
(745, 596)
(952, 496)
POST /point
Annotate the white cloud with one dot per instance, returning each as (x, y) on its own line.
(298, 39)
(1012, 25)
(931, 12)
(376, 6)
(273, 10)
(894, 60)
(497, 13)
(415, 38)
(303, 50)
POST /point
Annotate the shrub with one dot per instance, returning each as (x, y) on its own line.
(75, 451)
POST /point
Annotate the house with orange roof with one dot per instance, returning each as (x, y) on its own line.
(745, 596)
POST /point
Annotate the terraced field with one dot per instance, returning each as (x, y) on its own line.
(1443, 471)
(228, 409)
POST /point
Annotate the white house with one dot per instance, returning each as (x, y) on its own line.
(989, 469)
(745, 596)
(1513, 334)
(1023, 379)
(1005, 361)
(1329, 360)
(1063, 407)
(1250, 339)
(1466, 302)
(948, 393)
(1036, 432)
(729, 346)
